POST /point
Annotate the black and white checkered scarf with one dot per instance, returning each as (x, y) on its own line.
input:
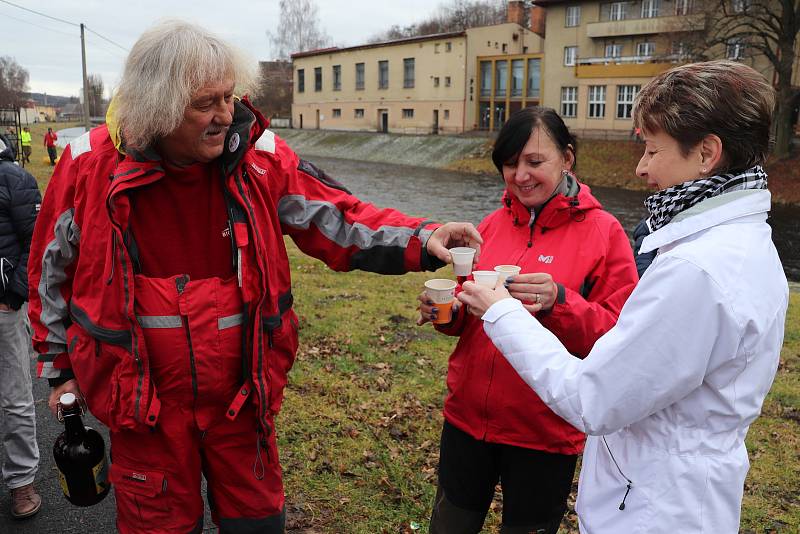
(667, 203)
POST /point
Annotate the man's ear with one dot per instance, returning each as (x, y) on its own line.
(711, 156)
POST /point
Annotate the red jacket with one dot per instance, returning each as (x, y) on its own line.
(50, 139)
(588, 254)
(82, 274)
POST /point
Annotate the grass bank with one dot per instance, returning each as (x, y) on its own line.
(360, 425)
(613, 164)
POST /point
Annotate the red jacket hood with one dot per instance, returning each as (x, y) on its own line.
(557, 211)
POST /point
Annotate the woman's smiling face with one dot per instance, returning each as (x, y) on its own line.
(536, 171)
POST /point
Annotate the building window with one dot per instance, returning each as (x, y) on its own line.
(569, 102)
(573, 16)
(408, 73)
(650, 8)
(597, 101)
(436, 48)
(486, 78)
(301, 80)
(337, 113)
(679, 50)
(517, 77)
(505, 48)
(317, 78)
(683, 7)
(448, 47)
(337, 77)
(436, 81)
(447, 114)
(447, 81)
(534, 78)
(613, 50)
(740, 6)
(500, 77)
(645, 50)
(570, 55)
(618, 11)
(408, 113)
(383, 74)
(735, 48)
(358, 113)
(625, 96)
(359, 76)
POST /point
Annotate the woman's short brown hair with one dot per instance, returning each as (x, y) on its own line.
(724, 98)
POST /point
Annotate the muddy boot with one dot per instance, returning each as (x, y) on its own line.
(447, 518)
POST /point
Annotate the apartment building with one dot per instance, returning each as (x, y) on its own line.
(443, 83)
(599, 54)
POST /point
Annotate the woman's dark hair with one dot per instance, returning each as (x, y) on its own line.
(519, 127)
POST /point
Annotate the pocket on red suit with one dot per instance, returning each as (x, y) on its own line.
(141, 494)
(108, 377)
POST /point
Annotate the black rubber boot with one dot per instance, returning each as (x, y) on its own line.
(447, 518)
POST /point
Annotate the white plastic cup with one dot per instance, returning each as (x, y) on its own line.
(507, 271)
(462, 260)
(442, 292)
(486, 278)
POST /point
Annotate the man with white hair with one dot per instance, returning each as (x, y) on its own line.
(161, 286)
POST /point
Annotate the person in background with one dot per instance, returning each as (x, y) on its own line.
(50, 139)
(161, 286)
(577, 272)
(18, 208)
(25, 141)
(667, 396)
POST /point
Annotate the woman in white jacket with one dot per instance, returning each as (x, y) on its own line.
(667, 396)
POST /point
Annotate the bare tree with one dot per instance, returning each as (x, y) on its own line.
(274, 94)
(768, 28)
(96, 103)
(298, 29)
(453, 16)
(13, 82)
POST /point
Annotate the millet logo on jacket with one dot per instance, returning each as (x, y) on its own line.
(545, 259)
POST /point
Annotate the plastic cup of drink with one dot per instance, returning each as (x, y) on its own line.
(442, 292)
(486, 278)
(507, 271)
(462, 260)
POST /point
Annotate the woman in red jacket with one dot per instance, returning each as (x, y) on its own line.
(577, 271)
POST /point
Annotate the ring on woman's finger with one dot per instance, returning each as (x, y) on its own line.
(538, 298)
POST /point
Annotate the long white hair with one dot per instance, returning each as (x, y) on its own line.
(168, 64)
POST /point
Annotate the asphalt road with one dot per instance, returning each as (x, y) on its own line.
(57, 515)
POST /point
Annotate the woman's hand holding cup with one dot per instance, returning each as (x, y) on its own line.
(480, 298)
(536, 291)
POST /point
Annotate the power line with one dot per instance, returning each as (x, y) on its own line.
(106, 38)
(37, 25)
(38, 13)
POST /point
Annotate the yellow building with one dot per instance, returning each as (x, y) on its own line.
(443, 83)
(600, 53)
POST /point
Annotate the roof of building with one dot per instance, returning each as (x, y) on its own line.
(431, 37)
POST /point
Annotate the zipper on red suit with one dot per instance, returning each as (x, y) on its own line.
(260, 374)
(180, 286)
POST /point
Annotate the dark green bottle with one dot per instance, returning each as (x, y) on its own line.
(80, 455)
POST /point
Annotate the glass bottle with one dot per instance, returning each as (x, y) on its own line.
(80, 455)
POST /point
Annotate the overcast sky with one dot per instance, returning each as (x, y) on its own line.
(51, 53)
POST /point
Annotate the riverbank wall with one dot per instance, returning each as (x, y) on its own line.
(432, 151)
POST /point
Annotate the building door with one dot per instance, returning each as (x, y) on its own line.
(316, 125)
(384, 124)
(435, 122)
(301, 121)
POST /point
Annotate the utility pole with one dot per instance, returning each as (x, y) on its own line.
(86, 122)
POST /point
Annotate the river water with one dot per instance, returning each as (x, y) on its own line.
(452, 196)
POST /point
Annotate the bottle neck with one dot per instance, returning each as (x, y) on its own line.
(73, 422)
